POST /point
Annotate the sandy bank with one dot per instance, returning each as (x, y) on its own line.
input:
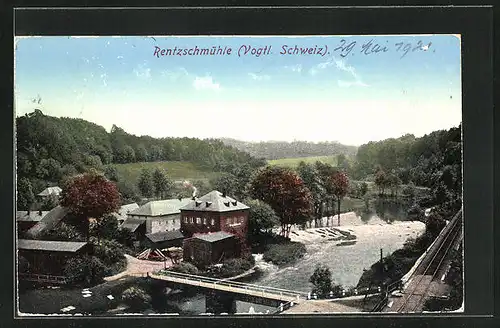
(350, 223)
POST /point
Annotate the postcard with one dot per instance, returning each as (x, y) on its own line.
(238, 175)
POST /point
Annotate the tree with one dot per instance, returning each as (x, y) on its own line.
(312, 180)
(87, 269)
(106, 227)
(342, 162)
(136, 298)
(141, 154)
(393, 182)
(63, 232)
(321, 280)
(25, 196)
(128, 192)
(162, 184)
(261, 217)
(226, 183)
(146, 183)
(90, 195)
(49, 202)
(362, 189)
(326, 171)
(92, 162)
(340, 183)
(381, 181)
(111, 172)
(49, 169)
(286, 193)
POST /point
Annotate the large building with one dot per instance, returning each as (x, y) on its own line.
(215, 225)
(159, 215)
(213, 212)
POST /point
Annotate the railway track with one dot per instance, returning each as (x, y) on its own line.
(427, 271)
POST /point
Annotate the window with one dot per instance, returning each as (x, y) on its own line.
(212, 222)
(186, 220)
(205, 221)
(198, 220)
(191, 220)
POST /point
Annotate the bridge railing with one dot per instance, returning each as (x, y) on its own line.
(232, 284)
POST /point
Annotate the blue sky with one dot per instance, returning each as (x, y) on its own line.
(352, 99)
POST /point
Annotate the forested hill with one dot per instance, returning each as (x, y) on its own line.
(49, 148)
(419, 160)
(283, 149)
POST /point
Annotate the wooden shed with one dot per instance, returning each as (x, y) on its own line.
(164, 239)
(48, 257)
(210, 248)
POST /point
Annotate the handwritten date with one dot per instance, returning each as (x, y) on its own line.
(370, 47)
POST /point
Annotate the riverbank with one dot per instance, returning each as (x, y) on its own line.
(346, 258)
(352, 225)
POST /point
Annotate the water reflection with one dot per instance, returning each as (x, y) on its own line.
(385, 209)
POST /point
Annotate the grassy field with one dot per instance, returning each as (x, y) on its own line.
(293, 162)
(175, 170)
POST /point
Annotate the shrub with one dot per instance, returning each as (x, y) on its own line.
(136, 298)
(285, 253)
(86, 269)
(63, 232)
(125, 237)
(109, 251)
(321, 280)
(234, 267)
(185, 267)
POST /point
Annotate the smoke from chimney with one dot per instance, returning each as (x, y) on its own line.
(188, 184)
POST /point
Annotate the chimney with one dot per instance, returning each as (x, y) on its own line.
(40, 212)
(179, 198)
(224, 194)
(29, 211)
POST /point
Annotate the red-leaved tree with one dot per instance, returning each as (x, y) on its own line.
(90, 195)
(340, 184)
(286, 193)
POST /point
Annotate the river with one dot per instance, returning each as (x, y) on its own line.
(345, 262)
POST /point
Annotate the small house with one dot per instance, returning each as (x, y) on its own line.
(210, 248)
(160, 215)
(27, 219)
(50, 191)
(164, 239)
(47, 257)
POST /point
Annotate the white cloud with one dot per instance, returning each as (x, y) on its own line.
(295, 68)
(347, 84)
(175, 74)
(143, 72)
(205, 83)
(259, 77)
(341, 65)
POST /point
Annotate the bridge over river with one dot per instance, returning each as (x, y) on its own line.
(223, 293)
